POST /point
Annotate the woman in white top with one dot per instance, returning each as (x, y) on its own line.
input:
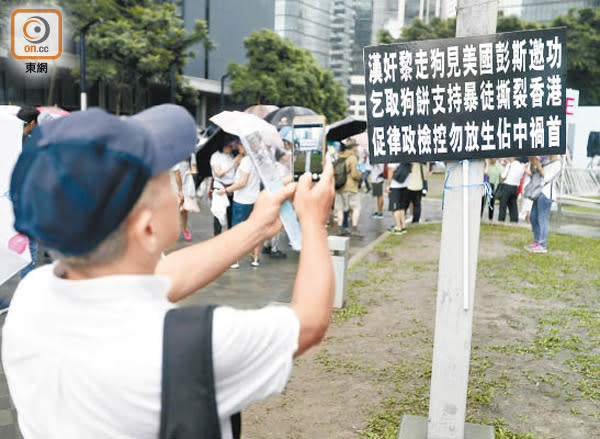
(183, 180)
(511, 179)
(540, 211)
(245, 192)
(223, 166)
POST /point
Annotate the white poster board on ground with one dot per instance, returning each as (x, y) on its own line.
(14, 252)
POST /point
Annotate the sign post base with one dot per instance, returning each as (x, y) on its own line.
(415, 427)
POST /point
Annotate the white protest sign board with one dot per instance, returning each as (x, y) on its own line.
(14, 254)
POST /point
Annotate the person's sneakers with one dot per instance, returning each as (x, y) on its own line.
(529, 247)
(255, 263)
(235, 266)
(187, 235)
(376, 215)
(403, 231)
(345, 231)
(266, 250)
(278, 254)
(394, 231)
(539, 249)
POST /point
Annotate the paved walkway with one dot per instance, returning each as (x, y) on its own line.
(251, 287)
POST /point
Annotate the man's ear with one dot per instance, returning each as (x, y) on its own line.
(141, 230)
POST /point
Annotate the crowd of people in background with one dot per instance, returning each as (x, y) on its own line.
(235, 185)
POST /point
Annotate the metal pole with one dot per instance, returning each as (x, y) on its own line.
(83, 89)
(222, 97)
(207, 18)
(83, 96)
(173, 83)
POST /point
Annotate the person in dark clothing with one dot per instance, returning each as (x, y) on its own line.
(511, 179)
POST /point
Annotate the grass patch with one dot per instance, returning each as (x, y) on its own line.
(582, 209)
(351, 310)
(560, 322)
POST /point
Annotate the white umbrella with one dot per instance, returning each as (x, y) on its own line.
(14, 254)
(10, 110)
(240, 124)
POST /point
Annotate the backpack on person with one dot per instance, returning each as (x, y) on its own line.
(401, 172)
(340, 173)
(534, 188)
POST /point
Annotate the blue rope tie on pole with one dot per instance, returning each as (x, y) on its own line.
(487, 188)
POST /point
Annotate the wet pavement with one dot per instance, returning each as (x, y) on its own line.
(249, 287)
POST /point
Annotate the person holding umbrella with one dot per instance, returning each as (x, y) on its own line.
(223, 166)
(245, 192)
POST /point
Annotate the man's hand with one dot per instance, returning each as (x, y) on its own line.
(237, 159)
(314, 287)
(265, 215)
(221, 192)
(313, 201)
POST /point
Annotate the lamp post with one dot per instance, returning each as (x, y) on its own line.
(82, 32)
(222, 100)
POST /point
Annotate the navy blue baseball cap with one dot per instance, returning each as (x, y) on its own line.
(78, 177)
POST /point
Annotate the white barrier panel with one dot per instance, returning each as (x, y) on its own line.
(14, 252)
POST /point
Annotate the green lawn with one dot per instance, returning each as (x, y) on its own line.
(545, 349)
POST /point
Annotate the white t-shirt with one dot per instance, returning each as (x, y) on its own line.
(394, 184)
(83, 359)
(183, 168)
(249, 193)
(377, 172)
(513, 172)
(222, 161)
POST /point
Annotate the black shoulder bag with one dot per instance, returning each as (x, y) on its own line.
(189, 405)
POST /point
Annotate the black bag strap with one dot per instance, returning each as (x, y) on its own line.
(189, 405)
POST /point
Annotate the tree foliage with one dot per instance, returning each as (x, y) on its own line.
(137, 43)
(583, 43)
(583, 52)
(280, 73)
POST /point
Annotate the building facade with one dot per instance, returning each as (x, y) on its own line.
(542, 11)
(357, 107)
(343, 17)
(307, 24)
(363, 30)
